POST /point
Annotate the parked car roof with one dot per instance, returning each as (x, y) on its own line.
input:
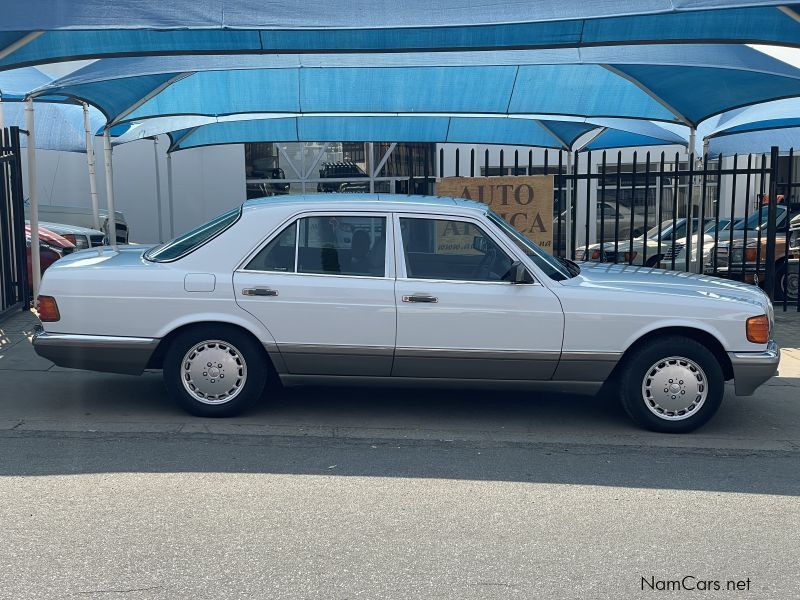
(367, 201)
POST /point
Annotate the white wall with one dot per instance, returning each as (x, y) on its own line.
(207, 181)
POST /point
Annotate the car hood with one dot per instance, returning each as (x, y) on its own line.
(61, 229)
(645, 280)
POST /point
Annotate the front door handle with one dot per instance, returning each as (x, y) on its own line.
(425, 298)
(259, 291)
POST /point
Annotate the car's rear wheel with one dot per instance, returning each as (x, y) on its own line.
(215, 371)
(672, 385)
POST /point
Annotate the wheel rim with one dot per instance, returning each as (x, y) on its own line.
(791, 282)
(213, 372)
(674, 388)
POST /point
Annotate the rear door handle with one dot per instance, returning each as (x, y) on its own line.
(424, 298)
(259, 291)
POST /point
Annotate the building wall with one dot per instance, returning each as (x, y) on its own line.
(206, 182)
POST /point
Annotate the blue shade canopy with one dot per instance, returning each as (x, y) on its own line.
(669, 83)
(45, 31)
(277, 14)
(434, 129)
(755, 142)
(58, 126)
(14, 85)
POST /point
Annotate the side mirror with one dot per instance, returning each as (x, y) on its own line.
(479, 244)
(518, 274)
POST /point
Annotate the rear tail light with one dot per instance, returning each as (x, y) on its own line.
(48, 309)
(629, 256)
(595, 254)
(758, 329)
(751, 254)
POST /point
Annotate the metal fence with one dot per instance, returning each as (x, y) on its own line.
(13, 247)
(734, 217)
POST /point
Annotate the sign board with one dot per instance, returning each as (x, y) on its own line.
(526, 202)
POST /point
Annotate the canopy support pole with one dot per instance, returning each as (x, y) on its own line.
(111, 222)
(158, 192)
(567, 248)
(91, 163)
(371, 167)
(36, 263)
(19, 43)
(2, 113)
(170, 200)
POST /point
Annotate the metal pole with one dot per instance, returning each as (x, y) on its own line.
(772, 213)
(111, 222)
(34, 199)
(158, 192)
(90, 161)
(690, 204)
(371, 168)
(569, 204)
(2, 114)
(170, 200)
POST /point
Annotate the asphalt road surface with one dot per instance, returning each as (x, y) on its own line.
(166, 515)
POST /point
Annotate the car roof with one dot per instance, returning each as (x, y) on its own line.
(389, 202)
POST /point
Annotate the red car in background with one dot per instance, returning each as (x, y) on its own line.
(51, 247)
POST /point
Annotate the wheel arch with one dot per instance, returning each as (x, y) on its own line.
(157, 358)
(706, 338)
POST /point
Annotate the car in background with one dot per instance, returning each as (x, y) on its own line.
(634, 253)
(81, 217)
(612, 221)
(81, 237)
(745, 260)
(750, 228)
(51, 248)
(419, 291)
(339, 170)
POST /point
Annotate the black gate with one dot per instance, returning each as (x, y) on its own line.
(13, 246)
(734, 217)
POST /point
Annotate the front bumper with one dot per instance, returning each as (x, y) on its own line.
(110, 354)
(751, 369)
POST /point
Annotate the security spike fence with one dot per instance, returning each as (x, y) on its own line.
(13, 248)
(735, 217)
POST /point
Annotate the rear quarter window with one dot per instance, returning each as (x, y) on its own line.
(192, 240)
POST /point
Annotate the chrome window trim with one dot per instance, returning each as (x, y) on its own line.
(512, 252)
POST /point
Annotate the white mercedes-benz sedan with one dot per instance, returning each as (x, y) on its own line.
(401, 291)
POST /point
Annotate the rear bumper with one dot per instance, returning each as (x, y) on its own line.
(110, 354)
(751, 369)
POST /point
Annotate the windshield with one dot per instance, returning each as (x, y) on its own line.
(550, 265)
(759, 219)
(186, 243)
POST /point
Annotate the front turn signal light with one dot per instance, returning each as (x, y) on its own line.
(758, 329)
(48, 309)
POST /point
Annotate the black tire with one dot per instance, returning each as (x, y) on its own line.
(242, 347)
(782, 277)
(653, 261)
(644, 361)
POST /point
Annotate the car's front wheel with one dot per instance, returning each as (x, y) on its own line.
(215, 371)
(672, 385)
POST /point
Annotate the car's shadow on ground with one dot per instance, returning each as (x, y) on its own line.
(378, 432)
